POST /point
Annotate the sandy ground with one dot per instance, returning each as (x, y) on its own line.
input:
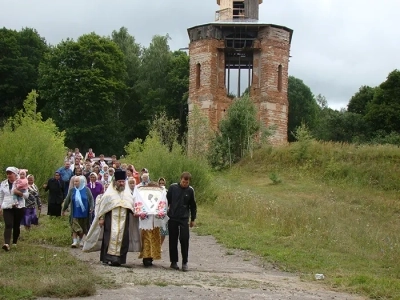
(214, 273)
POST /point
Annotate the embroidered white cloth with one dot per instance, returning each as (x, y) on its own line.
(151, 205)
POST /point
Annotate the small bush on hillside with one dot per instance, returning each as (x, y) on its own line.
(301, 148)
(31, 143)
(275, 178)
(236, 135)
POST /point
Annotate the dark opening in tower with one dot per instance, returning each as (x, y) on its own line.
(238, 10)
(238, 60)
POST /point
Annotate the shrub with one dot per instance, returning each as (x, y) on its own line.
(31, 143)
(170, 163)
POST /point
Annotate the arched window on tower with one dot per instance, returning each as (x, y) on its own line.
(198, 75)
(280, 78)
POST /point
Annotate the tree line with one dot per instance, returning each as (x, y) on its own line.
(104, 91)
(372, 115)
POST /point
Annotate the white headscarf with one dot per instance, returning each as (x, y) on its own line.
(78, 198)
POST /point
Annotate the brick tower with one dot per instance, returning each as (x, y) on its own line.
(235, 53)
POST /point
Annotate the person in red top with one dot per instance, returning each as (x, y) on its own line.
(90, 154)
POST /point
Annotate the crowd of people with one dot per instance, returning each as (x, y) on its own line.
(112, 208)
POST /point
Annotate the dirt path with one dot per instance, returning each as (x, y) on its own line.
(214, 272)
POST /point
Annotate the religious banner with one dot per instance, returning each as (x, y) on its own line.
(150, 200)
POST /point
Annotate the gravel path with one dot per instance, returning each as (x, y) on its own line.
(214, 272)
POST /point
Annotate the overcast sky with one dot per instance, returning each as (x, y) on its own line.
(337, 46)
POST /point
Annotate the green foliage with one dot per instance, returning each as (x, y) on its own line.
(304, 139)
(166, 129)
(341, 126)
(152, 85)
(236, 135)
(303, 107)
(83, 83)
(131, 51)
(306, 226)
(178, 89)
(20, 55)
(275, 178)
(31, 143)
(169, 162)
(61, 275)
(382, 138)
(200, 133)
(359, 102)
(383, 110)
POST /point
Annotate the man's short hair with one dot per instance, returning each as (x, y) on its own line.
(186, 176)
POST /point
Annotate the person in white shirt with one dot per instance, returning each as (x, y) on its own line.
(12, 214)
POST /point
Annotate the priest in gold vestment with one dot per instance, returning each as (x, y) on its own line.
(115, 231)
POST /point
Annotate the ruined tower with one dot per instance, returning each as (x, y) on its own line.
(235, 53)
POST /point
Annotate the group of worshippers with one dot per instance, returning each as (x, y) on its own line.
(129, 216)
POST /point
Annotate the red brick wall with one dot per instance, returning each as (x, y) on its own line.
(274, 46)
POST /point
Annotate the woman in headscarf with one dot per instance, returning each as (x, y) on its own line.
(82, 204)
(96, 188)
(56, 195)
(33, 200)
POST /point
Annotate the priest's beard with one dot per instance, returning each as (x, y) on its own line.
(119, 188)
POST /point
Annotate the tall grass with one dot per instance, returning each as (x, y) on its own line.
(335, 212)
(355, 165)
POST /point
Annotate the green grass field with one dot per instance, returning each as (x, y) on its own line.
(313, 208)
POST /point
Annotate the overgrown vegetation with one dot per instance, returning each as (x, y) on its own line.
(240, 132)
(169, 160)
(31, 143)
(335, 212)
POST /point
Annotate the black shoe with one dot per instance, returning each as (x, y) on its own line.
(147, 262)
(6, 247)
(174, 266)
(185, 267)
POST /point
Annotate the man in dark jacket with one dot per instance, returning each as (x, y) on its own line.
(182, 205)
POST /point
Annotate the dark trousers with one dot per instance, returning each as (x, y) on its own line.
(12, 219)
(178, 230)
(66, 188)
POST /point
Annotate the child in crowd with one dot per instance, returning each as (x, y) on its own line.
(21, 184)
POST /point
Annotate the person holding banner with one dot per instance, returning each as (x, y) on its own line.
(151, 208)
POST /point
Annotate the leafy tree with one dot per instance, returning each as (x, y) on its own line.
(383, 110)
(20, 55)
(152, 84)
(129, 106)
(32, 143)
(236, 134)
(81, 82)
(359, 102)
(178, 89)
(321, 101)
(302, 106)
